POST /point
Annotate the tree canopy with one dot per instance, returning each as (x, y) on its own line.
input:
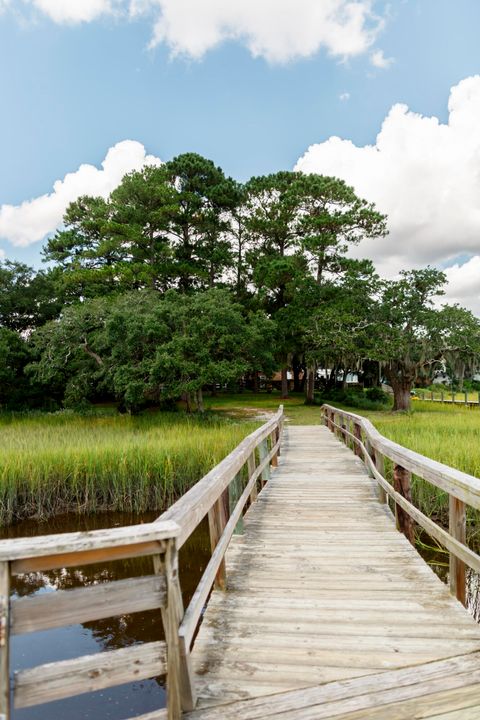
(184, 279)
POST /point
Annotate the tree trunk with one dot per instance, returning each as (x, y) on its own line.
(296, 367)
(284, 383)
(188, 402)
(401, 395)
(310, 386)
(199, 399)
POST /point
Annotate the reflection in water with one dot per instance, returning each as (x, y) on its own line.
(33, 649)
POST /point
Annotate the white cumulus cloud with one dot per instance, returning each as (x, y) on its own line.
(344, 96)
(74, 11)
(425, 175)
(33, 220)
(378, 60)
(276, 30)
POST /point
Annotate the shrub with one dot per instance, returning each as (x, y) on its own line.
(376, 394)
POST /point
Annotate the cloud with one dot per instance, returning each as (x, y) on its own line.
(276, 30)
(74, 11)
(425, 176)
(34, 219)
(344, 96)
(378, 60)
(464, 283)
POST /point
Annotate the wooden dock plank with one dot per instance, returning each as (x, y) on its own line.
(322, 588)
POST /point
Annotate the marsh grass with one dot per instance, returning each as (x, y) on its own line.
(449, 434)
(52, 463)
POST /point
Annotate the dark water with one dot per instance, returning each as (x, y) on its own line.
(117, 703)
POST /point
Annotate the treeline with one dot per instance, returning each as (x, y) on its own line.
(184, 279)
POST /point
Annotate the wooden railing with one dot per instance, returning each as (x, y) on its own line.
(58, 680)
(448, 398)
(461, 488)
(222, 494)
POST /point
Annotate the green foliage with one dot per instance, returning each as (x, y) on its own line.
(141, 348)
(376, 394)
(354, 398)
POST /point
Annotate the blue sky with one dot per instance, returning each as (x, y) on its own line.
(72, 90)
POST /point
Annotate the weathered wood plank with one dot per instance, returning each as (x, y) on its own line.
(423, 677)
(66, 607)
(458, 530)
(54, 681)
(4, 640)
(81, 542)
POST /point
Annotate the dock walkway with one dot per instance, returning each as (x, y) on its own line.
(321, 608)
(323, 588)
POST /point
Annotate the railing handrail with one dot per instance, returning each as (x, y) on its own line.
(77, 542)
(221, 487)
(461, 485)
(462, 490)
(192, 507)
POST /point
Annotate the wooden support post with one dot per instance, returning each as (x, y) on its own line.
(466, 397)
(431, 395)
(278, 435)
(217, 519)
(442, 397)
(180, 684)
(273, 440)
(236, 490)
(401, 483)
(263, 452)
(458, 530)
(357, 431)
(453, 397)
(380, 465)
(251, 465)
(4, 640)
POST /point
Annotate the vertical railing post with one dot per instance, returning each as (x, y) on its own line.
(401, 483)
(466, 397)
(357, 431)
(217, 519)
(4, 640)
(453, 397)
(263, 452)
(442, 397)
(431, 395)
(380, 465)
(181, 693)
(251, 466)
(236, 490)
(273, 441)
(458, 530)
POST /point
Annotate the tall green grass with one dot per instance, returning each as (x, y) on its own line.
(53, 463)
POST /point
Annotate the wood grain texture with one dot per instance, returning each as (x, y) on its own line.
(66, 607)
(322, 588)
(54, 681)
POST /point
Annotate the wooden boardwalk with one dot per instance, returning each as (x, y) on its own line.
(323, 588)
(322, 609)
